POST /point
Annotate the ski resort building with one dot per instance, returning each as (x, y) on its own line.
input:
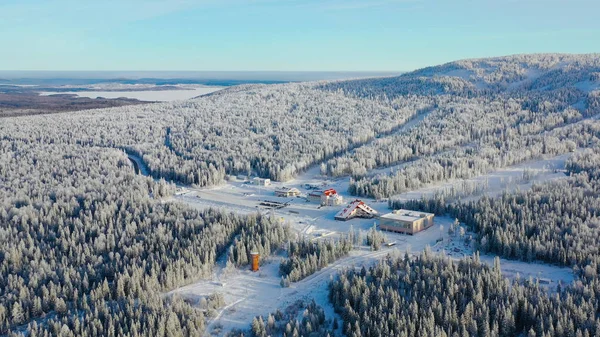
(314, 196)
(261, 181)
(287, 192)
(406, 221)
(328, 197)
(356, 209)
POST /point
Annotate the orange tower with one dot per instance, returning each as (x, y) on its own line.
(255, 256)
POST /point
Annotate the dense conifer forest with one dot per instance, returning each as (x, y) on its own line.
(498, 112)
(87, 245)
(313, 323)
(437, 296)
(306, 257)
(555, 222)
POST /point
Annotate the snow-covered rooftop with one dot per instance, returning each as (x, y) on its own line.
(356, 204)
(287, 189)
(406, 215)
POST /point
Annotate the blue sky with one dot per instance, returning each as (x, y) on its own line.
(326, 35)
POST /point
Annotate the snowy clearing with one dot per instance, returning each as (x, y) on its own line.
(548, 275)
(249, 294)
(508, 179)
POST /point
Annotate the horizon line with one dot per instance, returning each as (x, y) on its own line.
(218, 71)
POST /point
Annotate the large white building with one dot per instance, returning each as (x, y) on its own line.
(406, 221)
(261, 181)
(328, 197)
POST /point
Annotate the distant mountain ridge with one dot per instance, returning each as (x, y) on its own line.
(539, 72)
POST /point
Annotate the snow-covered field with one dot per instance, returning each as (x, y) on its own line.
(248, 294)
(143, 95)
(242, 197)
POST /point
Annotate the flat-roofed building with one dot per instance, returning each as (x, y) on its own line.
(315, 196)
(261, 181)
(287, 192)
(406, 221)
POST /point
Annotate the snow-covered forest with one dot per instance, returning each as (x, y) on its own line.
(500, 112)
(88, 247)
(556, 222)
(306, 257)
(436, 296)
(280, 130)
(272, 131)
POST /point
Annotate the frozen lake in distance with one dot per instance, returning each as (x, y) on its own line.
(146, 95)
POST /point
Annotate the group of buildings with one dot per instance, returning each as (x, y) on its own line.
(328, 197)
(399, 221)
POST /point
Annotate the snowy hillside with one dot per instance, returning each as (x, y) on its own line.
(480, 76)
(497, 112)
(278, 131)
